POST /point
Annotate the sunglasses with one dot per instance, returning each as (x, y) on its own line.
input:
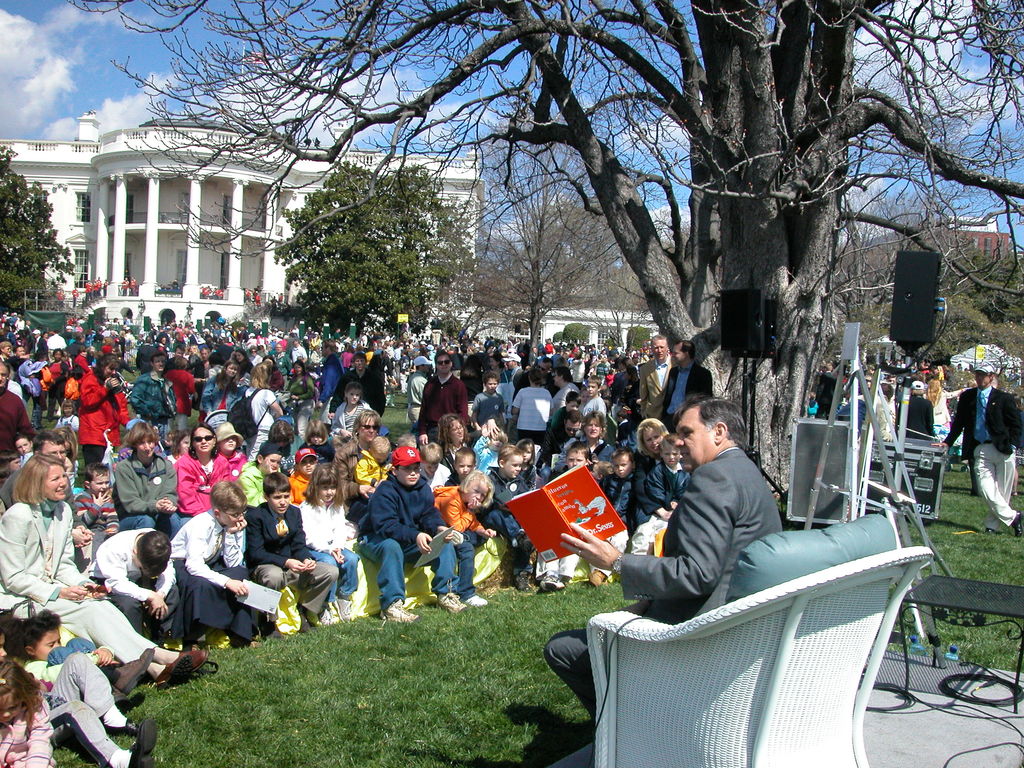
(374, 427)
(444, 362)
(202, 438)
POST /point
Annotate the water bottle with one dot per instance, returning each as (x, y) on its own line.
(953, 654)
(916, 648)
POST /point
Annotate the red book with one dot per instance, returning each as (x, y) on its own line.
(574, 497)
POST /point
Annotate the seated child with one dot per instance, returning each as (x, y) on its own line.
(209, 567)
(94, 510)
(433, 471)
(507, 485)
(317, 439)
(330, 536)
(458, 506)
(406, 439)
(528, 448)
(282, 434)
(135, 567)
(230, 459)
(305, 460)
(463, 463)
(35, 716)
(657, 499)
(68, 417)
(398, 528)
(371, 469)
(489, 404)
(553, 575)
(276, 548)
(268, 460)
(23, 445)
(618, 487)
(25, 729)
(486, 448)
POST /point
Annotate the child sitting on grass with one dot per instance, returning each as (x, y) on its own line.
(528, 448)
(507, 485)
(305, 460)
(463, 463)
(458, 506)
(371, 469)
(230, 459)
(398, 528)
(276, 549)
(94, 510)
(317, 438)
(25, 729)
(68, 417)
(433, 471)
(553, 575)
(268, 460)
(486, 448)
(209, 566)
(330, 537)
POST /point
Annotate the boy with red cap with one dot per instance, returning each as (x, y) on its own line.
(398, 528)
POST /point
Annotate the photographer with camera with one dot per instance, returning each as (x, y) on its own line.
(103, 410)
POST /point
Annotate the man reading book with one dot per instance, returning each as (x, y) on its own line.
(726, 507)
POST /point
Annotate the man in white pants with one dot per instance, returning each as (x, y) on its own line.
(991, 424)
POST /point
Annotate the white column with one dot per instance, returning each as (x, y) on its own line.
(117, 253)
(102, 235)
(234, 291)
(195, 208)
(273, 276)
(148, 287)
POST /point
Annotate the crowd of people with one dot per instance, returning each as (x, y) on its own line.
(184, 468)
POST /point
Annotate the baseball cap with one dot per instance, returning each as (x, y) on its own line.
(918, 386)
(984, 368)
(421, 360)
(269, 449)
(405, 456)
(303, 454)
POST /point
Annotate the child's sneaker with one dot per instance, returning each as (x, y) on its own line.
(344, 610)
(549, 582)
(451, 603)
(327, 617)
(396, 612)
(475, 602)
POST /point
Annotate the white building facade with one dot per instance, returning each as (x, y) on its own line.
(177, 233)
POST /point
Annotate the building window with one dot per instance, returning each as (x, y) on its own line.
(225, 260)
(81, 265)
(83, 207)
(182, 266)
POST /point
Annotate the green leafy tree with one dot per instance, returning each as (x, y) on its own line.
(369, 247)
(30, 256)
(576, 332)
(637, 336)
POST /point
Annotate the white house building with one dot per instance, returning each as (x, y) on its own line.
(177, 231)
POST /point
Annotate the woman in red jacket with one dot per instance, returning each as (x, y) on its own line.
(103, 409)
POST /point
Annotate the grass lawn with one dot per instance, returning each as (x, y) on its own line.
(466, 690)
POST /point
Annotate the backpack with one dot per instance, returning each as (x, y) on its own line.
(71, 389)
(240, 416)
(47, 378)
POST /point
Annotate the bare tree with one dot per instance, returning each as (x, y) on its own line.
(749, 122)
(539, 250)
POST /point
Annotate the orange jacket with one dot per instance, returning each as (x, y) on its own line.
(299, 485)
(449, 501)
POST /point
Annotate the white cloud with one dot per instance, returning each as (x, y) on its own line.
(126, 112)
(34, 75)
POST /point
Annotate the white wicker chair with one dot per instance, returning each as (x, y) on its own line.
(780, 678)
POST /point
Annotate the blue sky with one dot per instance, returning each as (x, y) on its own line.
(56, 63)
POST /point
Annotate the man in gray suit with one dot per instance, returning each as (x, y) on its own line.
(727, 506)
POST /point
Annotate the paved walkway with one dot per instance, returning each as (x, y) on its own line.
(936, 731)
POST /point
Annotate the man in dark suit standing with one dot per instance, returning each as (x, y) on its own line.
(990, 423)
(686, 379)
(727, 506)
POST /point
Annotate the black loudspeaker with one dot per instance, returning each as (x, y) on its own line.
(915, 284)
(748, 323)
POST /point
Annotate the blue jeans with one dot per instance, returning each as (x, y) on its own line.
(391, 556)
(75, 645)
(348, 573)
(160, 522)
(466, 552)
(506, 525)
(178, 521)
